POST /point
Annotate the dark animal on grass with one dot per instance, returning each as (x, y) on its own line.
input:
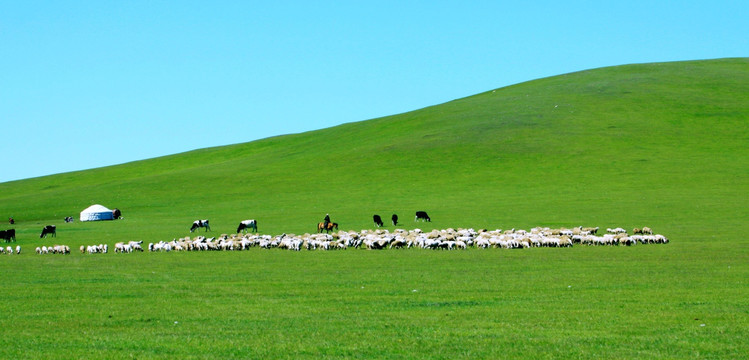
(422, 215)
(200, 224)
(11, 221)
(377, 220)
(8, 235)
(49, 230)
(247, 224)
(321, 227)
(395, 220)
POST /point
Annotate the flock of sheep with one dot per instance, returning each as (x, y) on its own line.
(448, 239)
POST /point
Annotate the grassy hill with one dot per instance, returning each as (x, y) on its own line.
(658, 144)
(661, 145)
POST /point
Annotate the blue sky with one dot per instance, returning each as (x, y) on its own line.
(85, 84)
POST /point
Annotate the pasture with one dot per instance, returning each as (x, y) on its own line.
(658, 145)
(655, 301)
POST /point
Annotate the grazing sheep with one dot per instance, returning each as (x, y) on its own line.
(591, 230)
(135, 245)
(379, 239)
(616, 231)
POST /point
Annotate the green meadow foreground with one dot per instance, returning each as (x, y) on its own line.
(659, 145)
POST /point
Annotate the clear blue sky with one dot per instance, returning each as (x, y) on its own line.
(85, 84)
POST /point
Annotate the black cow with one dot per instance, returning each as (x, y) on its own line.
(8, 235)
(49, 229)
(423, 216)
(116, 213)
(377, 220)
(395, 220)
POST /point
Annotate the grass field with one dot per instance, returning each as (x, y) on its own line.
(661, 145)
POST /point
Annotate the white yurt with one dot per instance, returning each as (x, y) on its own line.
(96, 212)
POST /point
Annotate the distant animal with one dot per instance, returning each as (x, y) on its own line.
(247, 224)
(377, 220)
(200, 224)
(49, 230)
(321, 227)
(11, 221)
(395, 220)
(422, 215)
(116, 214)
(69, 219)
(8, 235)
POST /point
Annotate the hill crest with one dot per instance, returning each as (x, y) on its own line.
(641, 138)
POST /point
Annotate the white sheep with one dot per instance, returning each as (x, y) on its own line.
(135, 245)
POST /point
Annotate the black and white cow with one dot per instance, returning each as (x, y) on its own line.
(377, 220)
(247, 224)
(8, 235)
(422, 215)
(49, 230)
(200, 224)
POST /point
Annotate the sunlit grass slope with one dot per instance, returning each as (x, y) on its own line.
(660, 145)
(657, 144)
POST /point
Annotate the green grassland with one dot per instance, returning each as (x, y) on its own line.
(661, 145)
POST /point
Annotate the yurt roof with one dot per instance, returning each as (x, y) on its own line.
(96, 208)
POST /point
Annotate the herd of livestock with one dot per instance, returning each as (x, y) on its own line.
(447, 239)
(327, 239)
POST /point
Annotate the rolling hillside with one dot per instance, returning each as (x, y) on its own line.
(662, 144)
(659, 145)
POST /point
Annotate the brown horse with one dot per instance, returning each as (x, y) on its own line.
(331, 226)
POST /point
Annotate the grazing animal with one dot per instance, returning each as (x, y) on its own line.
(69, 219)
(200, 224)
(377, 220)
(8, 235)
(395, 220)
(423, 216)
(321, 227)
(247, 224)
(11, 221)
(49, 230)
